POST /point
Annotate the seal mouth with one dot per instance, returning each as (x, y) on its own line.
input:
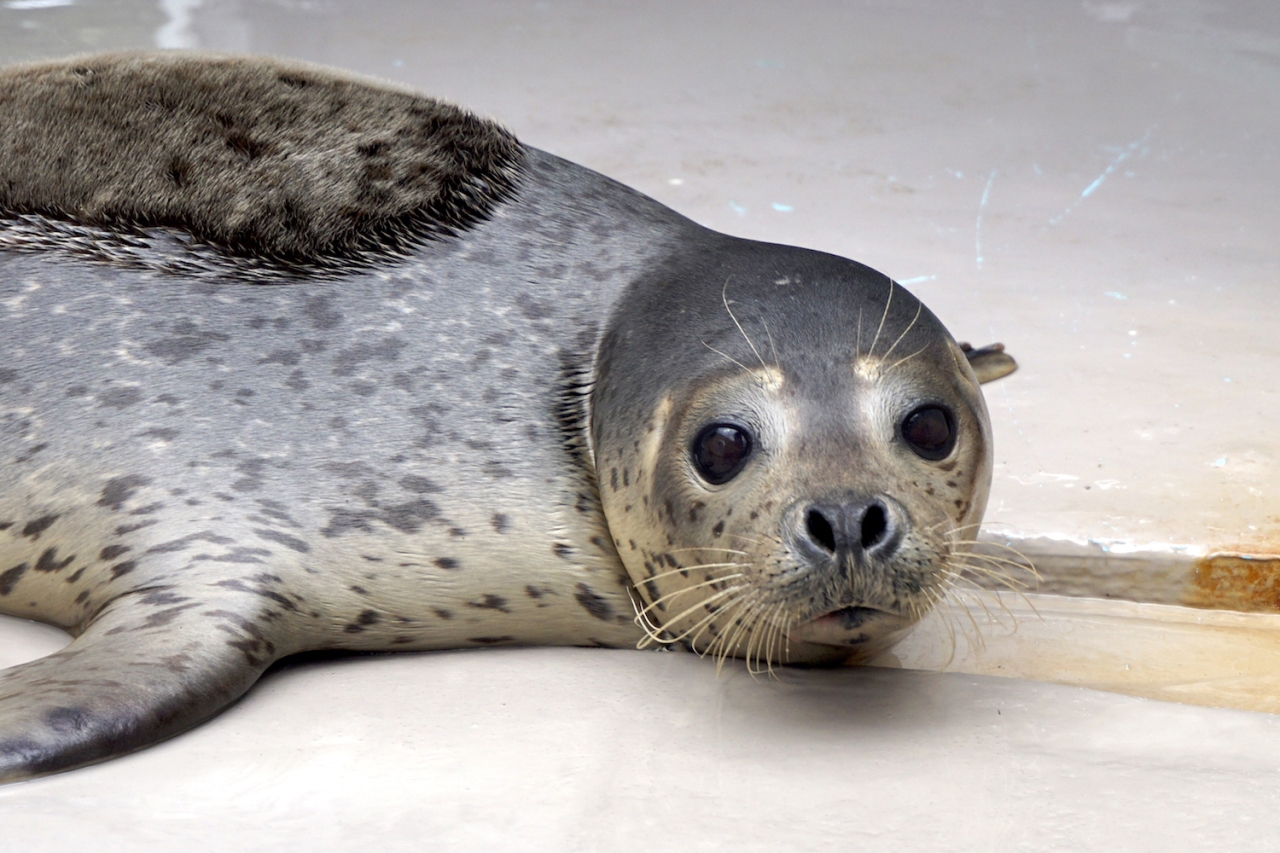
(855, 626)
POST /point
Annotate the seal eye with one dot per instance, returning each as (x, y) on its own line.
(931, 432)
(720, 451)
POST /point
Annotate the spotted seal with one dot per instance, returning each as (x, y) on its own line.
(294, 360)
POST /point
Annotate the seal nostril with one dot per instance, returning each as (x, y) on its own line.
(874, 526)
(820, 530)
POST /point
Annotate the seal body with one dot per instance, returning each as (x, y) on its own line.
(222, 446)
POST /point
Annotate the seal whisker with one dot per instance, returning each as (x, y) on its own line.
(1003, 563)
(745, 369)
(670, 596)
(686, 569)
(777, 362)
(734, 610)
(651, 631)
(910, 326)
(1013, 588)
(775, 637)
(774, 539)
(888, 302)
(760, 633)
(705, 548)
(733, 641)
(755, 638)
(1021, 556)
(998, 572)
(724, 297)
(703, 603)
(905, 359)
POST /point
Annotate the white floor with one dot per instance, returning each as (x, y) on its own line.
(1094, 184)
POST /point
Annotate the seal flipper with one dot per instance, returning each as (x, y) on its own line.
(989, 363)
(128, 681)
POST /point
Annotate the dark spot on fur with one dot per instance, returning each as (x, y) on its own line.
(593, 603)
(500, 522)
(409, 517)
(30, 453)
(532, 308)
(67, 720)
(496, 469)
(125, 529)
(163, 617)
(49, 562)
(446, 562)
(321, 315)
(291, 542)
(562, 550)
(245, 146)
(421, 485)
(118, 490)
(33, 529)
(120, 569)
(297, 381)
(491, 641)
(534, 592)
(189, 342)
(119, 398)
(387, 350)
(491, 602)
(178, 171)
(442, 612)
(365, 619)
(10, 578)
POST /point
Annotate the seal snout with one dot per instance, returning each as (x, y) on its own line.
(850, 530)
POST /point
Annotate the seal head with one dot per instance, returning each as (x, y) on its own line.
(792, 453)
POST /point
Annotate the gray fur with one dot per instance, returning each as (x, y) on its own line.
(200, 475)
(281, 162)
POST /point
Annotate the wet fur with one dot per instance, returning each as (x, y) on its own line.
(283, 162)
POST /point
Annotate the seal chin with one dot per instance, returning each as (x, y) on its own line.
(853, 628)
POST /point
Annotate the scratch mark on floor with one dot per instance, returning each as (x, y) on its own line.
(1138, 145)
(982, 207)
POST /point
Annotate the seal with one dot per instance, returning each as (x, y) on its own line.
(294, 360)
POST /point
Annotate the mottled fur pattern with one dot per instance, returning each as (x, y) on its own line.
(460, 416)
(282, 162)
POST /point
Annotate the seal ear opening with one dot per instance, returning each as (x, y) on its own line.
(989, 363)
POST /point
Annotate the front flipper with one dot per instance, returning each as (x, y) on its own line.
(136, 676)
(990, 362)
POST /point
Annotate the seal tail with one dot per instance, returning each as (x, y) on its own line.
(127, 682)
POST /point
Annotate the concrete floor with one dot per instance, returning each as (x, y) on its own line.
(1095, 185)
